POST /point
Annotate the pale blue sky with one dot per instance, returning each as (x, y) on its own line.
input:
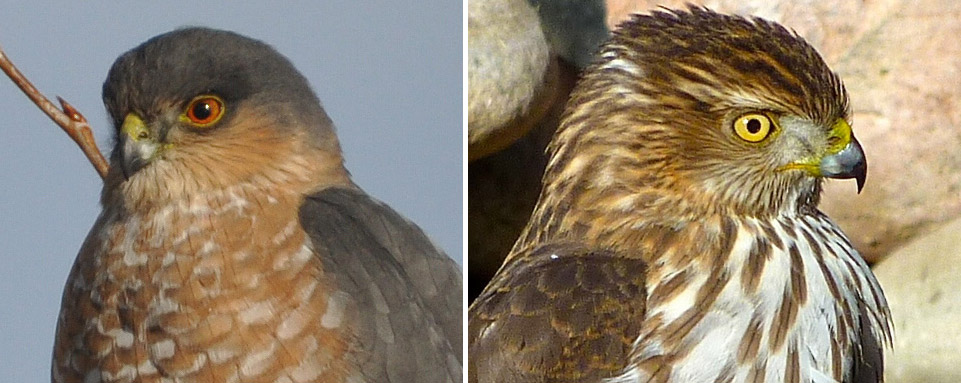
(389, 74)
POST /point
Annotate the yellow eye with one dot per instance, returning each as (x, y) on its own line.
(753, 127)
(203, 111)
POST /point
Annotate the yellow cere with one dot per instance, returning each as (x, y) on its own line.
(134, 127)
(840, 136)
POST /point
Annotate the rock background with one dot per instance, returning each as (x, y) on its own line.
(507, 62)
(921, 282)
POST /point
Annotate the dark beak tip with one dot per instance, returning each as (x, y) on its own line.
(860, 179)
(861, 169)
(125, 170)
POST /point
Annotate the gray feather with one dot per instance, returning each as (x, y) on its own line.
(407, 292)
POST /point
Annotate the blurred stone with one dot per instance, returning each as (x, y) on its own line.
(574, 28)
(900, 62)
(507, 58)
(921, 283)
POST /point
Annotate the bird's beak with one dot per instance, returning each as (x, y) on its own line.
(843, 158)
(846, 158)
(137, 145)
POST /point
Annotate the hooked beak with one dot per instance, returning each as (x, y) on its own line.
(842, 159)
(849, 162)
(137, 145)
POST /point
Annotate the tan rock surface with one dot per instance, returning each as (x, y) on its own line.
(507, 58)
(921, 282)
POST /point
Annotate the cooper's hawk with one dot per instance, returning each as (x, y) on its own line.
(677, 236)
(233, 246)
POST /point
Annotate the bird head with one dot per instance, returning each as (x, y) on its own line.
(698, 112)
(196, 110)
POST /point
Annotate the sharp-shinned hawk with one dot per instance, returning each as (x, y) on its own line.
(233, 246)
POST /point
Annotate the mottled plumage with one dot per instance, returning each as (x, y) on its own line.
(233, 247)
(677, 236)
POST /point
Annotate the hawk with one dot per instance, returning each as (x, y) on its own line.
(677, 236)
(233, 246)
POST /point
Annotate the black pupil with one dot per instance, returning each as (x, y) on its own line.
(202, 110)
(753, 126)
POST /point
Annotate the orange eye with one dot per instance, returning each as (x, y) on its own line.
(204, 111)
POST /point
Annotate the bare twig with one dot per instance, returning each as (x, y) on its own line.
(69, 119)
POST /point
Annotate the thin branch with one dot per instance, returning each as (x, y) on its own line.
(69, 119)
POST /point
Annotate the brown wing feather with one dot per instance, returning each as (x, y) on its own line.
(563, 313)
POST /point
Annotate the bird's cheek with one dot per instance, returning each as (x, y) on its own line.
(800, 146)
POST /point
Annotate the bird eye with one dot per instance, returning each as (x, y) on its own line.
(753, 127)
(204, 111)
